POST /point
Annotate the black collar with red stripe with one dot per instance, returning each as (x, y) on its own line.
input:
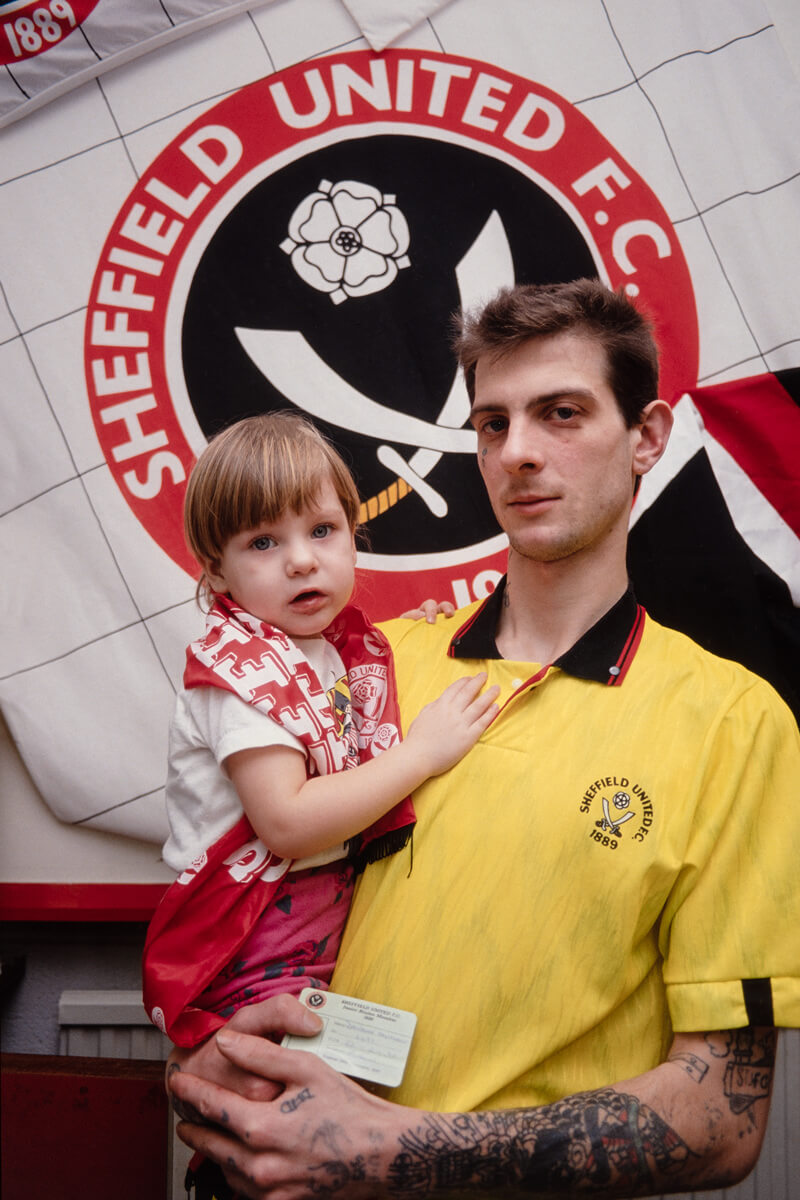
(603, 653)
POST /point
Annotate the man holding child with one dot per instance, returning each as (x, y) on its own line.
(601, 928)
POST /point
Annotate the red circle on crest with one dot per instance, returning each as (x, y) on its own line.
(131, 343)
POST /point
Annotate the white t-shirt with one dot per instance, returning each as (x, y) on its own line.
(209, 724)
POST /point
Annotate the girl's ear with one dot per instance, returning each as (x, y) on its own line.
(212, 568)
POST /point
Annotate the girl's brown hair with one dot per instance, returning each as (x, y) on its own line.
(253, 472)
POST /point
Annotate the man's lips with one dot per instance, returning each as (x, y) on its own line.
(527, 501)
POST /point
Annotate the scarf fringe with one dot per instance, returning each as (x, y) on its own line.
(380, 847)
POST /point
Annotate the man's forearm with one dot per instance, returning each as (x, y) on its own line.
(606, 1141)
(692, 1123)
(610, 1141)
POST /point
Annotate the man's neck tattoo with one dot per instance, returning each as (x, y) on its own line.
(507, 598)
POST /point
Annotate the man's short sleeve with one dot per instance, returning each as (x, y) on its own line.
(730, 933)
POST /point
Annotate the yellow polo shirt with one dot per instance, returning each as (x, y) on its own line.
(616, 859)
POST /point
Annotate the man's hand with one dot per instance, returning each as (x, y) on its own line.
(429, 610)
(269, 1019)
(320, 1134)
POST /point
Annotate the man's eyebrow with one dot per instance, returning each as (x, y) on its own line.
(565, 393)
(476, 407)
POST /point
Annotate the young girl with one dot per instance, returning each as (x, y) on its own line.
(289, 687)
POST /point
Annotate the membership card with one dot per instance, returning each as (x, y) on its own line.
(368, 1041)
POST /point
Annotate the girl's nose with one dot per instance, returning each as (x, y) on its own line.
(300, 557)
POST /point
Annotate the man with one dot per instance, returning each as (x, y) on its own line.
(601, 927)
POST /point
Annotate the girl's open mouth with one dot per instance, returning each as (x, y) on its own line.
(310, 600)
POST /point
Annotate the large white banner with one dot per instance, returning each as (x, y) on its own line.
(219, 216)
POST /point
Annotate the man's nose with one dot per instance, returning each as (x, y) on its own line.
(521, 449)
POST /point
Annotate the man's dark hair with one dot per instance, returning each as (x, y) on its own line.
(583, 306)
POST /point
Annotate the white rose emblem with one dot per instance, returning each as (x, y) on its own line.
(347, 239)
(383, 738)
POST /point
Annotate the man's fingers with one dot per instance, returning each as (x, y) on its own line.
(220, 1149)
(429, 610)
(261, 1057)
(254, 1054)
(289, 1146)
(277, 1015)
(257, 1023)
(209, 1101)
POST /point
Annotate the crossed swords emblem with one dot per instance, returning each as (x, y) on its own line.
(293, 367)
(609, 823)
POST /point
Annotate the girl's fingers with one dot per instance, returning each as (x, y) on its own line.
(488, 709)
(484, 699)
(468, 686)
(475, 701)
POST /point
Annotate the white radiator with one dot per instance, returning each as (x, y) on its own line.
(108, 1024)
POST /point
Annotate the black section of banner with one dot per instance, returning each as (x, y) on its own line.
(693, 571)
(790, 382)
(392, 346)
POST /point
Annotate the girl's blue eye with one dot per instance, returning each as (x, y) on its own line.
(262, 543)
(321, 531)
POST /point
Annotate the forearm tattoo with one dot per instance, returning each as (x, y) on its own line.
(750, 1055)
(748, 1072)
(597, 1140)
(694, 1066)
